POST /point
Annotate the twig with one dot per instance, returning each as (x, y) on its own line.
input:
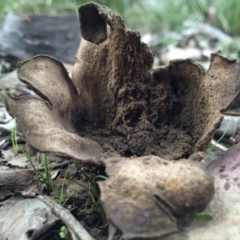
(232, 113)
(209, 31)
(67, 218)
(111, 232)
(57, 165)
(219, 146)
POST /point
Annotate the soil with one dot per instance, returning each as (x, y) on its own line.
(168, 142)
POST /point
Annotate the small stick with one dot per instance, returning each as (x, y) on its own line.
(219, 146)
(111, 232)
(67, 218)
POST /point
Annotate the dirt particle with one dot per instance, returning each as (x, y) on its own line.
(235, 179)
(160, 187)
(146, 162)
(223, 176)
(222, 168)
(234, 167)
(227, 185)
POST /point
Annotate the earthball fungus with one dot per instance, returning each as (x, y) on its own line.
(137, 121)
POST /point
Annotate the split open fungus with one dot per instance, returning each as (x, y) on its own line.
(137, 121)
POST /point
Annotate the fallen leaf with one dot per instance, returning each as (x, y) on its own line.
(25, 219)
(19, 161)
(15, 179)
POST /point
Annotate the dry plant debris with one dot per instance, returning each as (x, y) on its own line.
(116, 107)
(73, 225)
